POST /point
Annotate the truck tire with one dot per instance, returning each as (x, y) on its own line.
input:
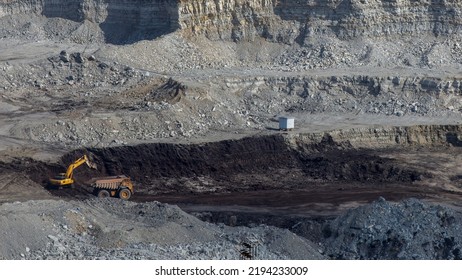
(103, 194)
(125, 194)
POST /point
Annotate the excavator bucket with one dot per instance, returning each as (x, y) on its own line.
(90, 162)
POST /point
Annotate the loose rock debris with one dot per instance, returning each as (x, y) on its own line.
(114, 229)
(384, 230)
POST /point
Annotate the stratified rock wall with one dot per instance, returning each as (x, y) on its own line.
(284, 21)
(287, 20)
(347, 19)
(237, 20)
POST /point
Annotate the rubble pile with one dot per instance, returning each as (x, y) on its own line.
(384, 230)
(114, 229)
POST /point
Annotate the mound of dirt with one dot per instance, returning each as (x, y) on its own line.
(253, 163)
(115, 229)
(407, 230)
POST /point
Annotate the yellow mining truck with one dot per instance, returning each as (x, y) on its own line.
(114, 186)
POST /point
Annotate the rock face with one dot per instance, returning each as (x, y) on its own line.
(237, 20)
(121, 21)
(355, 18)
(284, 21)
(128, 21)
(288, 20)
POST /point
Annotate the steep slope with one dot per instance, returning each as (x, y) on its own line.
(112, 229)
(238, 20)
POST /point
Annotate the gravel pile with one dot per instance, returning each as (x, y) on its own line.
(78, 70)
(407, 230)
(115, 229)
(35, 27)
(421, 53)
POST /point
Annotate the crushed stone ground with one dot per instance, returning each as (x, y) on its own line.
(114, 229)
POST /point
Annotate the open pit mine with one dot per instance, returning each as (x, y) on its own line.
(152, 129)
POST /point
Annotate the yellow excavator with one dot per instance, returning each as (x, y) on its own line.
(113, 186)
(65, 179)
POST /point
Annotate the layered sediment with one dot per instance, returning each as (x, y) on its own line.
(285, 21)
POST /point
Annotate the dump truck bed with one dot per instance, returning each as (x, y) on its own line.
(110, 182)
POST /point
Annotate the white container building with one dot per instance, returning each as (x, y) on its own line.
(286, 123)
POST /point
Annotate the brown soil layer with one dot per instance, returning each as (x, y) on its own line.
(250, 164)
(263, 175)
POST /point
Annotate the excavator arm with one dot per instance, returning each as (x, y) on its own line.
(65, 179)
(74, 165)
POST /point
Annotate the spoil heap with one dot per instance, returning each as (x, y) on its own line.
(407, 230)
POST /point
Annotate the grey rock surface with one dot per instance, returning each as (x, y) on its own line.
(407, 230)
(114, 229)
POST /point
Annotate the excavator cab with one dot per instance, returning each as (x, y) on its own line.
(60, 176)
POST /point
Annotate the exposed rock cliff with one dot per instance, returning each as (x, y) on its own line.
(374, 18)
(283, 21)
(121, 21)
(287, 20)
(236, 19)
